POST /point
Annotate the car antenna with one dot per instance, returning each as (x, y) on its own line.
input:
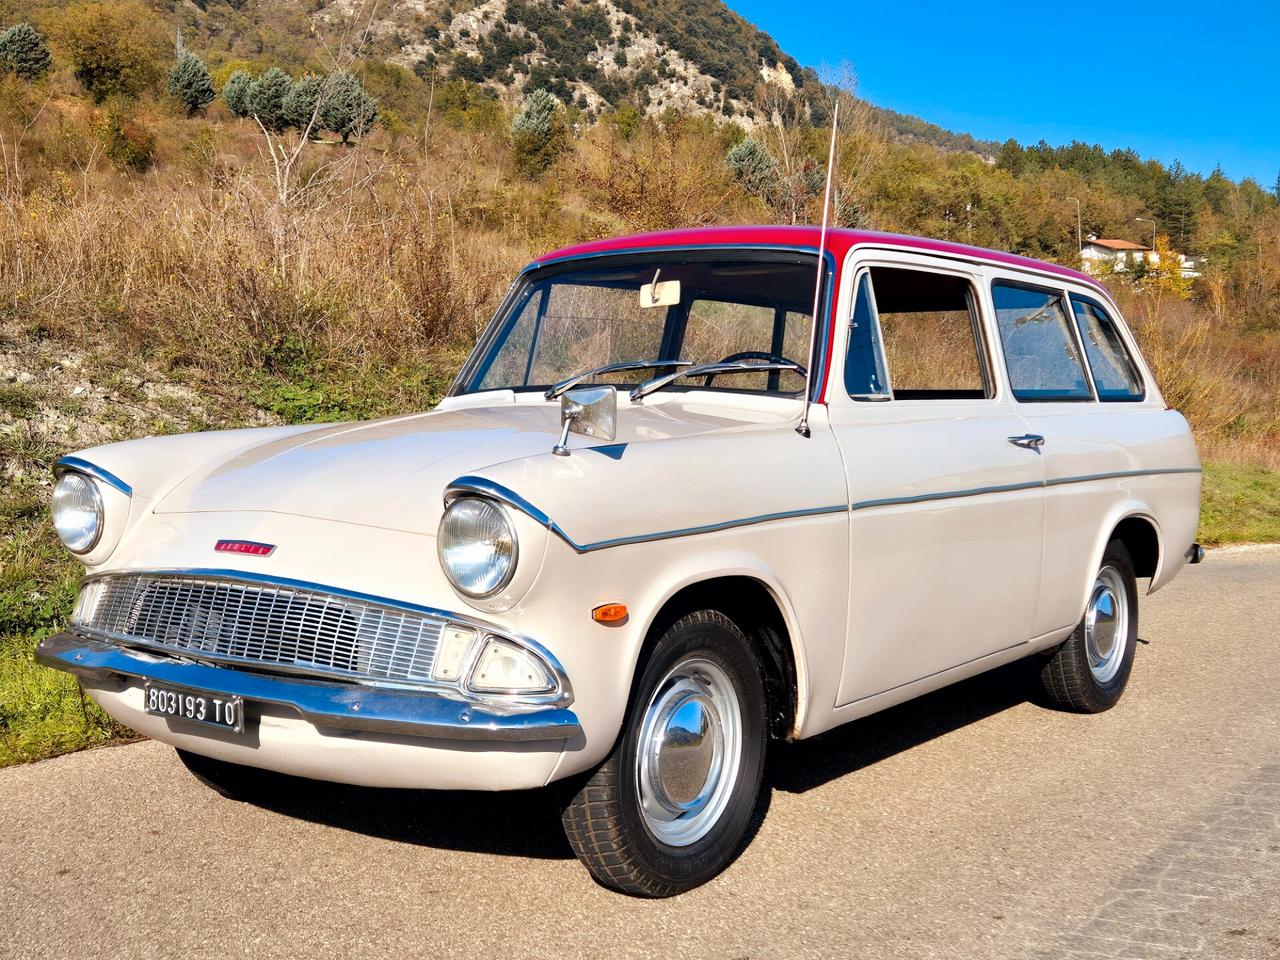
(803, 427)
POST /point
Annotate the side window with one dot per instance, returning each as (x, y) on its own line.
(1040, 349)
(929, 327)
(1114, 373)
(863, 368)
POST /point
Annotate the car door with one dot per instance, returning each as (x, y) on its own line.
(946, 502)
(1078, 387)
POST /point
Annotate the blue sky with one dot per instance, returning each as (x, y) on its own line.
(1176, 80)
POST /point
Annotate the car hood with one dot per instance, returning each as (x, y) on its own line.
(392, 473)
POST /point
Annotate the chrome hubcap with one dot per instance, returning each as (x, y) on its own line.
(1106, 625)
(689, 752)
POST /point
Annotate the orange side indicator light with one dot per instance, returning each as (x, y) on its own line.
(610, 613)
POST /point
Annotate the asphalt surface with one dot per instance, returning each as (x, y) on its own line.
(971, 823)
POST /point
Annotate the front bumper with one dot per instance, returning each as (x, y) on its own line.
(332, 706)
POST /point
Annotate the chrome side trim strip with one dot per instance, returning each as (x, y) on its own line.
(1119, 475)
(497, 491)
(336, 706)
(489, 488)
(946, 495)
(563, 696)
(711, 527)
(1011, 487)
(92, 469)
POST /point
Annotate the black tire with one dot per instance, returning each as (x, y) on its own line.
(1071, 676)
(232, 780)
(604, 820)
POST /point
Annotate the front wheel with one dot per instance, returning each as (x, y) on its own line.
(1088, 673)
(671, 805)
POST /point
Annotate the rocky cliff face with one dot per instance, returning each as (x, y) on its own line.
(692, 56)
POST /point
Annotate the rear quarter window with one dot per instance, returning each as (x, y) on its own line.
(1040, 349)
(1115, 375)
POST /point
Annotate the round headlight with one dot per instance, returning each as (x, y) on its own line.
(477, 545)
(77, 512)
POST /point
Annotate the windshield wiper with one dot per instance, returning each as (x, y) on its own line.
(622, 367)
(710, 370)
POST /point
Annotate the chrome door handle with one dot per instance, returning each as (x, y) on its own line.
(1028, 441)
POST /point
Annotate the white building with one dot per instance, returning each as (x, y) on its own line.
(1104, 255)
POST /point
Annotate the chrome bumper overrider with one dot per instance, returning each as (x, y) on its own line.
(334, 705)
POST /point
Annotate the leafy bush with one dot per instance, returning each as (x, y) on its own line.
(227, 69)
(266, 99)
(235, 93)
(23, 52)
(126, 142)
(190, 82)
(538, 133)
(467, 67)
(116, 47)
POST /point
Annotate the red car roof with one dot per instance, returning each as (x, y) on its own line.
(839, 242)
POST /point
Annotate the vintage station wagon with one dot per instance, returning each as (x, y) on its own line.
(662, 518)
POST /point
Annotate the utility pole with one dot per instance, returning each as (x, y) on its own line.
(1079, 225)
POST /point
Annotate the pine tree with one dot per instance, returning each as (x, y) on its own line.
(266, 99)
(190, 82)
(345, 108)
(235, 93)
(754, 166)
(23, 52)
(538, 133)
(300, 104)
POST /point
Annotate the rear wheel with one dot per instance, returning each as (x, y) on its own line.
(1090, 670)
(671, 806)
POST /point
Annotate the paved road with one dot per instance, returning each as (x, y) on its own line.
(969, 824)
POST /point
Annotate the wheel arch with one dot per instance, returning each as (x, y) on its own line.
(753, 599)
(1135, 525)
(1141, 537)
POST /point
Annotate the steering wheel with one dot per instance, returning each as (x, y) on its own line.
(754, 355)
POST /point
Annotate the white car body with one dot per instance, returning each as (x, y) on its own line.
(905, 544)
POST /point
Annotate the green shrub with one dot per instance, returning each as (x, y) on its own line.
(190, 82)
(235, 93)
(345, 108)
(23, 52)
(116, 47)
(754, 166)
(126, 142)
(266, 99)
(300, 105)
(538, 133)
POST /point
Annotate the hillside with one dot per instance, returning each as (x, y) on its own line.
(696, 57)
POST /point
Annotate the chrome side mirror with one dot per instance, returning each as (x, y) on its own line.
(591, 412)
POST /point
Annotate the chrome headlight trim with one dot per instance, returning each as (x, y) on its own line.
(84, 487)
(80, 465)
(500, 511)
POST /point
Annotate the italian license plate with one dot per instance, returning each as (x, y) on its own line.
(197, 706)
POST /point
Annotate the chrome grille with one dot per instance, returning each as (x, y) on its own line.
(258, 623)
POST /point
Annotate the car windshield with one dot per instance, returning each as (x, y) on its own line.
(699, 308)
